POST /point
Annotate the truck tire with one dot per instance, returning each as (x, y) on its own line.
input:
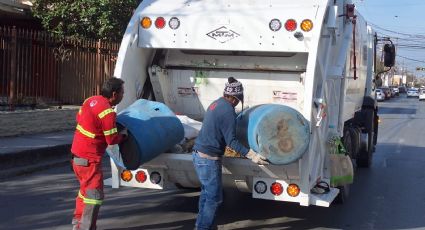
(364, 159)
(347, 141)
(375, 130)
(355, 141)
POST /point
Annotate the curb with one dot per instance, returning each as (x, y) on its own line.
(19, 171)
(19, 163)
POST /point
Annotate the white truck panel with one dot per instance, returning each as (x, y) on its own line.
(228, 24)
(355, 88)
(132, 64)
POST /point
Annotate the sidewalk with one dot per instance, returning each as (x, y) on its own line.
(28, 153)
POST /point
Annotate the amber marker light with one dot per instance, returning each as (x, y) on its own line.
(293, 190)
(126, 175)
(306, 25)
(146, 22)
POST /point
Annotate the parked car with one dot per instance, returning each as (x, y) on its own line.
(380, 96)
(402, 89)
(412, 92)
(387, 92)
(422, 94)
(395, 90)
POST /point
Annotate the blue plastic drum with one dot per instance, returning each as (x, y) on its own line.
(153, 129)
(277, 132)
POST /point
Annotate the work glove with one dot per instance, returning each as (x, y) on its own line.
(256, 158)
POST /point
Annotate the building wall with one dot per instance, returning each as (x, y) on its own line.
(396, 80)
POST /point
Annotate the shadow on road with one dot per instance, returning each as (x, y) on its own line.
(396, 110)
(378, 200)
(389, 195)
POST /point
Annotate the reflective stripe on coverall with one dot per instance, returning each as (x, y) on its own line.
(90, 196)
(96, 128)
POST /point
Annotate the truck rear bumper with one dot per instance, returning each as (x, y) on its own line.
(239, 173)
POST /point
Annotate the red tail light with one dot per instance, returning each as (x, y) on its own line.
(276, 189)
(160, 23)
(290, 25)
(141, 176)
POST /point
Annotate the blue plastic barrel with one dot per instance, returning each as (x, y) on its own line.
(277, 132)
(153, 129)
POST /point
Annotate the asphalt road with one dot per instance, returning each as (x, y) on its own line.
(389, 195)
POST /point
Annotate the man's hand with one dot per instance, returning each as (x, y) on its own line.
(256, 158)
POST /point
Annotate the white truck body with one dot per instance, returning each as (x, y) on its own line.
(311, 72)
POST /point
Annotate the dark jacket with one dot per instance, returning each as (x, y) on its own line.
(219, 130)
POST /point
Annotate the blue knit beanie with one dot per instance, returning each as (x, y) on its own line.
(234, 88)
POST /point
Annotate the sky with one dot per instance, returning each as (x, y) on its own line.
(404, 22)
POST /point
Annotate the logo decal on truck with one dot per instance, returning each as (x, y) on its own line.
(286, 96)
(187, 91)
(223, 34)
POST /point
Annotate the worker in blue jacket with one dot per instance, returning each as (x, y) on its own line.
(218, 131)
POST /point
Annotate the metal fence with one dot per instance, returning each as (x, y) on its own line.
(36, 67)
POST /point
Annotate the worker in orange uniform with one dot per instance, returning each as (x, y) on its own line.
(96, 129)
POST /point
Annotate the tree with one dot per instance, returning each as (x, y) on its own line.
(97, 19)
(380, 68)
(410, 78)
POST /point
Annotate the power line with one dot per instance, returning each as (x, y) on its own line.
(400, 38)
(391, 5)
(399, 33)
(404, 41)
(411, 59)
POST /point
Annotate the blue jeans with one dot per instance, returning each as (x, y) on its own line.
(209, 174)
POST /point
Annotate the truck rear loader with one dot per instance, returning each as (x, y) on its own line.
(314, 60)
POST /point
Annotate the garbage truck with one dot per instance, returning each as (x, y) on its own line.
(307, 69)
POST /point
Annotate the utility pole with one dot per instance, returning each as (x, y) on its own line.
(393, 72)
(404, 75)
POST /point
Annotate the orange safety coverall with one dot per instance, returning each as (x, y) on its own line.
(96, 129)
